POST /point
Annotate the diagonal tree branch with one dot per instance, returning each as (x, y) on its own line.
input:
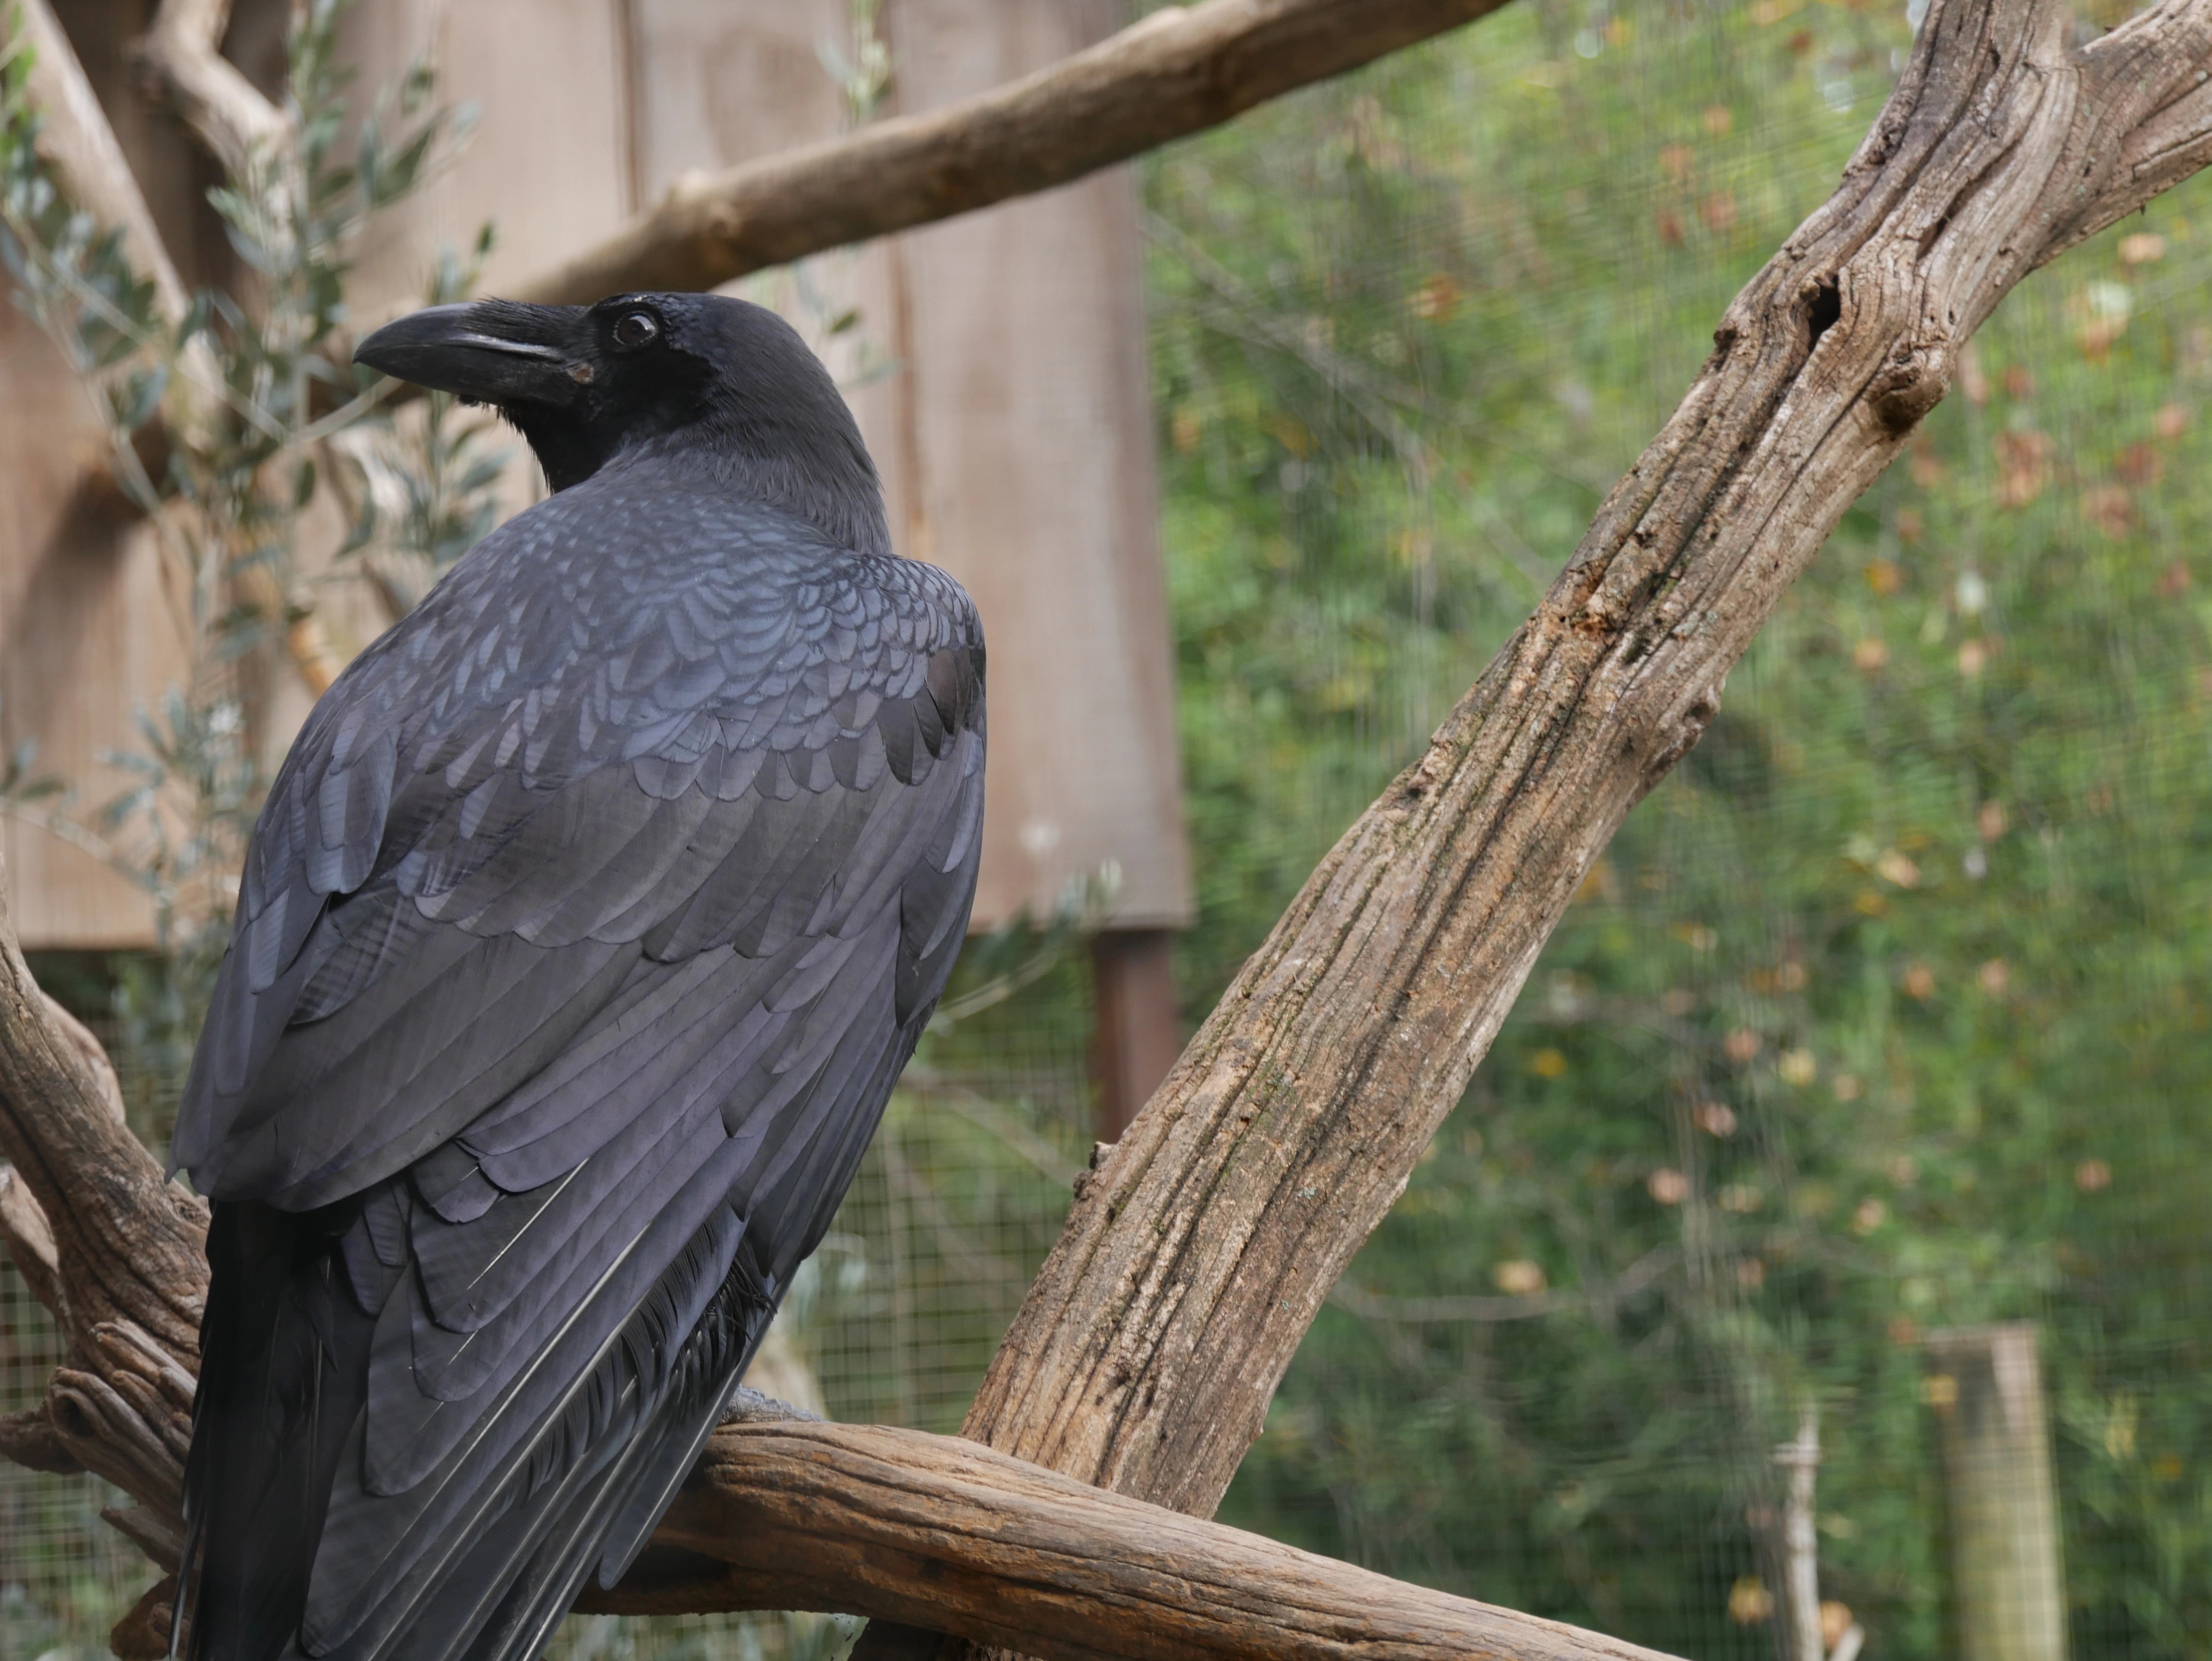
(128, 1246)
(29, 1239)
(80, 147)
(116, 1252)
(1178, 71)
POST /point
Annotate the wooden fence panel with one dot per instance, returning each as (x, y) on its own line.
(998, 364)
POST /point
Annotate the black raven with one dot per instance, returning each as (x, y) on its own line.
(585, 932)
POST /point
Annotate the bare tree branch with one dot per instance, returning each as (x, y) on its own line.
(1177, 72)
(90, 1052)
(142, 1634)
(785, 1510)
(182, 55)
(80, 147)
(130, 1245)
(183, 60)
(28, 1439)
(160, 1537)
(29, 1239)
(905, 1526)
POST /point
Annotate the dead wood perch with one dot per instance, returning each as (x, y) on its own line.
(182, 58)
(1176, 72)
(904, 1525)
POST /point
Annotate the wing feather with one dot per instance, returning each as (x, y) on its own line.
(578, 951)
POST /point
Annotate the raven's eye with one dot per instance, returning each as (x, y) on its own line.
(637, 329)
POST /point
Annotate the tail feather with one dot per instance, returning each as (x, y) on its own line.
(284, 1365)
(600, 1523)
(281, 1402)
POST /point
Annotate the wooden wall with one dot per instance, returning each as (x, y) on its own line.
(88, 635)
(997, 363)
(86, 638)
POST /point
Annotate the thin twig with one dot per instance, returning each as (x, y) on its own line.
(1372, 1306)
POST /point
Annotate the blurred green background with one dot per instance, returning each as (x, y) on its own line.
(1889, 1012)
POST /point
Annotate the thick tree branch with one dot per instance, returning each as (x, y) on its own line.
(80, 147)
(1177, 72)
(29, 1240)
(115, 1251)
(130, 1245)
(908, 1526)
(28, 1438)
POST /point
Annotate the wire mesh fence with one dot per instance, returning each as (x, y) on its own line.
(892, 1321)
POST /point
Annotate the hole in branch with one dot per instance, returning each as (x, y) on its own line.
(71, 1417)
(1826, 307)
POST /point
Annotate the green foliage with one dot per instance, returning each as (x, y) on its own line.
(1887, 1012)
(70, 273)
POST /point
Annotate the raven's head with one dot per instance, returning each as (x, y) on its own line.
(719, 381)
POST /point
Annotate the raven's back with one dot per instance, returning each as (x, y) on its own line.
(583, 937)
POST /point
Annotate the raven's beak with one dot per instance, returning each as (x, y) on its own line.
(492, 352)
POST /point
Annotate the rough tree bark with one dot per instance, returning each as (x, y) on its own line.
(1197, 1254)
(116, 1252)
(899, 1524)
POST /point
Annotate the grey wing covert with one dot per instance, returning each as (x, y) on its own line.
(556, 1021)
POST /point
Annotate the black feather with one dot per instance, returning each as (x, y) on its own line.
(582, 937)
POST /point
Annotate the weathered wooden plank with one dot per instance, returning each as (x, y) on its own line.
(549, 161)
(87, 637)
(998, 366)
(1027, 468)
